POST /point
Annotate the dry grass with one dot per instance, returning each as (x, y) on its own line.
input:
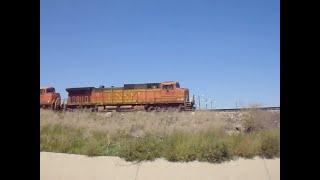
(137, 124)
(141, 124)
(176, 136)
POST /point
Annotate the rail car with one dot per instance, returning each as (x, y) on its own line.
(49, 98)
(149, 96)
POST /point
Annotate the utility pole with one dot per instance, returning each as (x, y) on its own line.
(199, 101)
(206, 99)
(211, 103)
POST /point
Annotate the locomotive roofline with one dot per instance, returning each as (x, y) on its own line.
(46, 87)
(126, 86)
(80, 89)
(169, 82)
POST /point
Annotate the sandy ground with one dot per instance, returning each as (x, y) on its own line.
(57, 166)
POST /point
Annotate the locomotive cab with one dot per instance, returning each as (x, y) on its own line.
(49, 98)
(170, 85)
(172, 92)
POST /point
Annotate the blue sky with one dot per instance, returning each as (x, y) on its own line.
(224, 50)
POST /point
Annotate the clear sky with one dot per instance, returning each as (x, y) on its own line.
(225, 50)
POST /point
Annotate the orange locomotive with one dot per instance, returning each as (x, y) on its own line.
(49, 98)
(149, 96)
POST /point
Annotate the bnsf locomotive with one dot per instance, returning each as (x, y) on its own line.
(149, 96)
(49, 98)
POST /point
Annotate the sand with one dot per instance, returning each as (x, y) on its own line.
(57, 166)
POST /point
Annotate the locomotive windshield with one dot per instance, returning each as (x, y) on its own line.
(168, 87)
(50, 90)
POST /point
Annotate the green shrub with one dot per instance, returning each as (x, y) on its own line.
(181, 147)
(214, 152)
(112, 149)
(139, 149)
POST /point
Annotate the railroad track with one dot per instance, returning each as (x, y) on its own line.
(223, 110)
(242, 109)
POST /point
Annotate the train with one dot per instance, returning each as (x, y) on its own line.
(165, 95)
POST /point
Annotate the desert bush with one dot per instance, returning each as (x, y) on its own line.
(60, 138)
(252, 120)
(181, 146)
(270, 144)
(244, 145)
(139, 149)
(96, 144)
(215, 152)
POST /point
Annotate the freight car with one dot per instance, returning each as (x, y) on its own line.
(49, 98)
(149, 96)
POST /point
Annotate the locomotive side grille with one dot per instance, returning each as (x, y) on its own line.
(79, 99)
